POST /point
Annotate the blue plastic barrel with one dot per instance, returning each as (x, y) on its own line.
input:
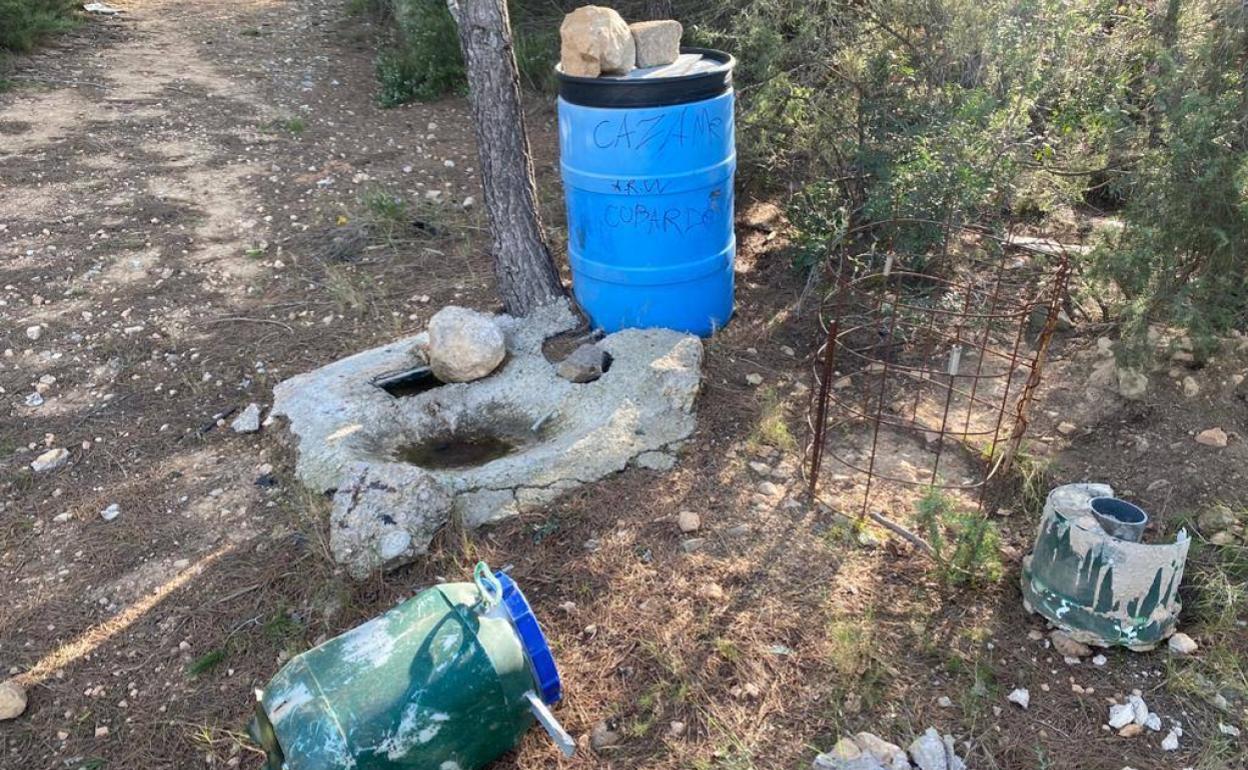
(648, 161)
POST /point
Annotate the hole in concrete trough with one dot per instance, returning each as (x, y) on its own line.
(407, 382)
(474, 444)
(462, 451)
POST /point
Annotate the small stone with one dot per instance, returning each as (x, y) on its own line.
(1069, 647)
(101, 731)
(740, 530)
(111, 512)
(603, 737)
(753, 378)
(34, 399)
(1216, 519)
(585, 364)
(1191, 388)
(1222, 538)
(464, 345)
(944, 702)
(1035, 635)
(568, 607)
(762, 469)
(248, 421)
(889, 754)
(1066, 428)
(1182, 644)
(1139, 709)
(770, 489)
(12, 700)
(1099, 660)
(1131, 730)
(50, 460)
(676, 729)
(1120, 715)
(928, 751)
(1214, 437)
(693, 544)
(688, 521)
(33, 333)
(1153, 722)
(1020, 696)
(711, 591)
(1170, 742)
(595, 41)
(1230, 730)
(657, 42)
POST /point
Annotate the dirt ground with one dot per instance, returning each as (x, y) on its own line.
(199, 200)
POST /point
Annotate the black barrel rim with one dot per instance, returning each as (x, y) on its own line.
(650, 92)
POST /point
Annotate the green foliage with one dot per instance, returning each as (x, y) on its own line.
(1182, 255)
(205, 663)
(424, 63)
(964, 544)
(23, 23)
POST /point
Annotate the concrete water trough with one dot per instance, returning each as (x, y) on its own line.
(403, 454)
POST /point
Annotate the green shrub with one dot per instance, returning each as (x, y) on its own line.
(23, 23)
(965, 544)
(424, 63)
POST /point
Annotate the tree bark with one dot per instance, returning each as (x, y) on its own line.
(527, 277)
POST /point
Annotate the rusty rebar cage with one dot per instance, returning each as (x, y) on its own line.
(949, 360)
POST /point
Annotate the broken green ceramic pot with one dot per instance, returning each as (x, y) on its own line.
(1100, 588)
(449, 680)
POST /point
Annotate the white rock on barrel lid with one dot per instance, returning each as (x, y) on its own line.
(657, 42)
(596, 41)
(464, 345)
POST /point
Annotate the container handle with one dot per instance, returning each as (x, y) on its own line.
(488, 586)
(543, 715)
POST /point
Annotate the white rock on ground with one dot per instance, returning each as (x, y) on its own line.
(384, 515)
(1020, 696)
(248, 421)
(12, 700)
(50, 460)
(1170, 742)
(688, 521)
(595, 41)
(1139, 709)
(1120, 715)
(1182, 644)
(111, 512)
(464, 345)
(657, 42)
(928, 751)
(33, 333)
(890, 754)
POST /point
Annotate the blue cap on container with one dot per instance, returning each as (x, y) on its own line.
(532, 639)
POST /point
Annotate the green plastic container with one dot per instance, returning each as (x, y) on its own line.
(449, 680)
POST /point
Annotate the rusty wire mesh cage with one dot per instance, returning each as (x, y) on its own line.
(925, 378)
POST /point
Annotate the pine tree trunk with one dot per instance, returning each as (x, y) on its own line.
(527, 277)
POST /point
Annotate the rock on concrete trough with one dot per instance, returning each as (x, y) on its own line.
(464, 345)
